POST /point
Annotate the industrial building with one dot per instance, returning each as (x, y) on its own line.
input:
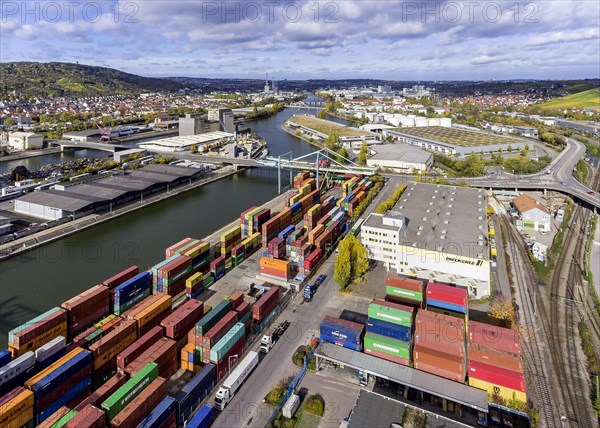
(435, 232)
(320, 130)
(86, 136)
(25, 140)
(204, 142)
(455, 141)
(534, 216)
(190, 125)
(401, 158)
(78, 200)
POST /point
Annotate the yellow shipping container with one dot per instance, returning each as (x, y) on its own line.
(36, 342)
(506, 393)
(305, 190)
(197, 251)
(118, 348)
(314, 209)
(160, 305)
(105, 321)
(32, 381)
(194, 279)
(252, 239)
(274, 263)
(17, 411)
(231, 233)
(295, 199)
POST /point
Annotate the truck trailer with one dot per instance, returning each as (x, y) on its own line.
(235, 380)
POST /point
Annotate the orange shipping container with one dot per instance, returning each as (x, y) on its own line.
(269, 262)
(495, 357)
(18, 411)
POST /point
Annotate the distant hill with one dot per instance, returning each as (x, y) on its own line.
(584, 99)
(56, 79)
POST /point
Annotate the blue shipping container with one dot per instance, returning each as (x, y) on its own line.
(57, 377)
(219, 275)
(133, 287)
(195, 391)
(155, 268)
(4, 357)
(202, 419)
(388, 329)
(160, 413)
(445, 305)
(296, 208)
(42, 364)
(340, 342)
(124, 305)
(43, 414)
(349, 197)
(286, 232)
(328, 327)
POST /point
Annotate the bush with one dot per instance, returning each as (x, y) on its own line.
(389, 203)
(315, 405)
(275, 395)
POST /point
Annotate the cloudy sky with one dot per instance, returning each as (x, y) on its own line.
(403, 40)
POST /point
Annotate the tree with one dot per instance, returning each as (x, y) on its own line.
(503, 311)
(194, 148)
(360, 259)
(322, 114)
(510, 148)
(333, 141)
(362, 156)
(342, 271)
(342, 153)
(9, 121)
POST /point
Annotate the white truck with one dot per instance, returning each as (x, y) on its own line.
(267, 341)
(235, 380)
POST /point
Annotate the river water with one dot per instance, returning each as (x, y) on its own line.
(45, 277)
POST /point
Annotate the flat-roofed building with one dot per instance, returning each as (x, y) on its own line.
(25, 140)
(204, 142)
(401, 158)
(434, 232)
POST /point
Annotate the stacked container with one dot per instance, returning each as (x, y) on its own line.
(87, 417)
(194, 285)
(164, 414)
(118, 279)
(233, 343)
(132, 291)
(283, 235)
(311, 261)
(439, 345)
(163, 353)
(16, 372)
(195, 391)
(312, 216)
(212, 336)
(389, 329)
(277, 248)
(106, 349)
(182, 320)
(265, 304)
(238, 254)
(217, 268)
(296, 210)
(16, 408)
(86, 308)
(405, 290)
(450, 300)
(150, 312)
(247, 220)
(138, 347)
(35, 333)
(170, 278)
(270, 229)
(67, 380)
(259, 219)
(495, 361)
(51, 352)
(274, 268)
(251, 244)
(102, 393)
(343, 333)
(230, 239)
(300, 178)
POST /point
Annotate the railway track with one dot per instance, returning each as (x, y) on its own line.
(562, 316)
(538, 368)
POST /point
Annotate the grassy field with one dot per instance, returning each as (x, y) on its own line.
(585, 99)
(326, 127)
(459, 137)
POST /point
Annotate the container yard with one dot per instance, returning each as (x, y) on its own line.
(145, 347)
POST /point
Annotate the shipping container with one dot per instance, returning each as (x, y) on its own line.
(97, 397)
(16, 411)
(265, 304)
(87, 417)
(494, 357)
(150, 312)
(494, 337)
(195, 391)
(4, 357)
(387, 356)
(204, 418)
(440, 332)
(183, 319)
(391, 312)
(38, 331)
(55, 417)
(497, 380)
(226, 343)
(132, 291)
(141, 405)
(79, 390)
(16, 368)
(341, 341)
(119, 338)
(219, 330)
(439, 363)
(87, 308)
(172, 250)
(396, 348)
(55, 346)
(212, 317)
(166, 409)
(138, 347)
(163, 353)
(121, 277)
(125, 394)
(455, 296)
(384, 328)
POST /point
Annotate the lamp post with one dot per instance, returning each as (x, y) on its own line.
(230, 357)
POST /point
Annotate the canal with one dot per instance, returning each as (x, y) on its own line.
(45, 277)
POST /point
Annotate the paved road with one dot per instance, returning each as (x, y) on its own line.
(595, 259)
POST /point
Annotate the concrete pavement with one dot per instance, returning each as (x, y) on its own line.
(595, 259)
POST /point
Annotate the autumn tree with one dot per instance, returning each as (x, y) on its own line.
(362, 156)
(342, 272)
(322, 114)
(503, 311)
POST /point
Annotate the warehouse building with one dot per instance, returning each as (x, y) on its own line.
(401, 158)
(204, 142)
(320, 130)
(534, 216)
(456, 141)
(105, 194)
(435, 232)
(86, 136)
(25, 140)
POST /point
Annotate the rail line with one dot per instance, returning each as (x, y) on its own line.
(533, 347)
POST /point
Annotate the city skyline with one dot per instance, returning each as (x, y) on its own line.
(302, 40)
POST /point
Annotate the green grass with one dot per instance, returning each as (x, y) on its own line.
(580, 87)
(585, 99)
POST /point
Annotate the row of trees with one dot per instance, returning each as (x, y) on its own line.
(352, 261)
(389, 203)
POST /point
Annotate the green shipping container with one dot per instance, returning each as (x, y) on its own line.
(223, 346)
(66, 418)
(387, 345)
(132, 388)
(395, 316)
(213, 317)
(209, 281)
(405, 294)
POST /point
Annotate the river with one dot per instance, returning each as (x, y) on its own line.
(45, 277)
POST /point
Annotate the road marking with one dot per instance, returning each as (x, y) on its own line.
(596, 243)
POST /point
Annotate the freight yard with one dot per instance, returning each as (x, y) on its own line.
(149, 347)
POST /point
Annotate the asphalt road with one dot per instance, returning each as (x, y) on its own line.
(595, 259)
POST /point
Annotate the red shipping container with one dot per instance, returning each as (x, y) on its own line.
(243, 214)
(163, 353)
(447, 293)
(88, 417)
(388, 357)
(80, 339)
(243, 309)
(219, 330)
(236, 298)
(118, 279)
(182, 319)
(439, 364)
(142, 405)
(235, 353)
(405, 283)
(86, 308)
(439, 336)
(497, 376)
(272, 295)
(29, 333)
(139, 346)
(494, 337)
(172, 250)
(494, 357)
(176, 266)
(312, 259)
(103, 392)
(217, 263)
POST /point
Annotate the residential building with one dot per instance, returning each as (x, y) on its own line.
(534, 216)
(25, 140)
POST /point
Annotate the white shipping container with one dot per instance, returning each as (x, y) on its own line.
(290, 406)
(16, 367)
(50, 348)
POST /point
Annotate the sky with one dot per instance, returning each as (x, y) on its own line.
(396, 40)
